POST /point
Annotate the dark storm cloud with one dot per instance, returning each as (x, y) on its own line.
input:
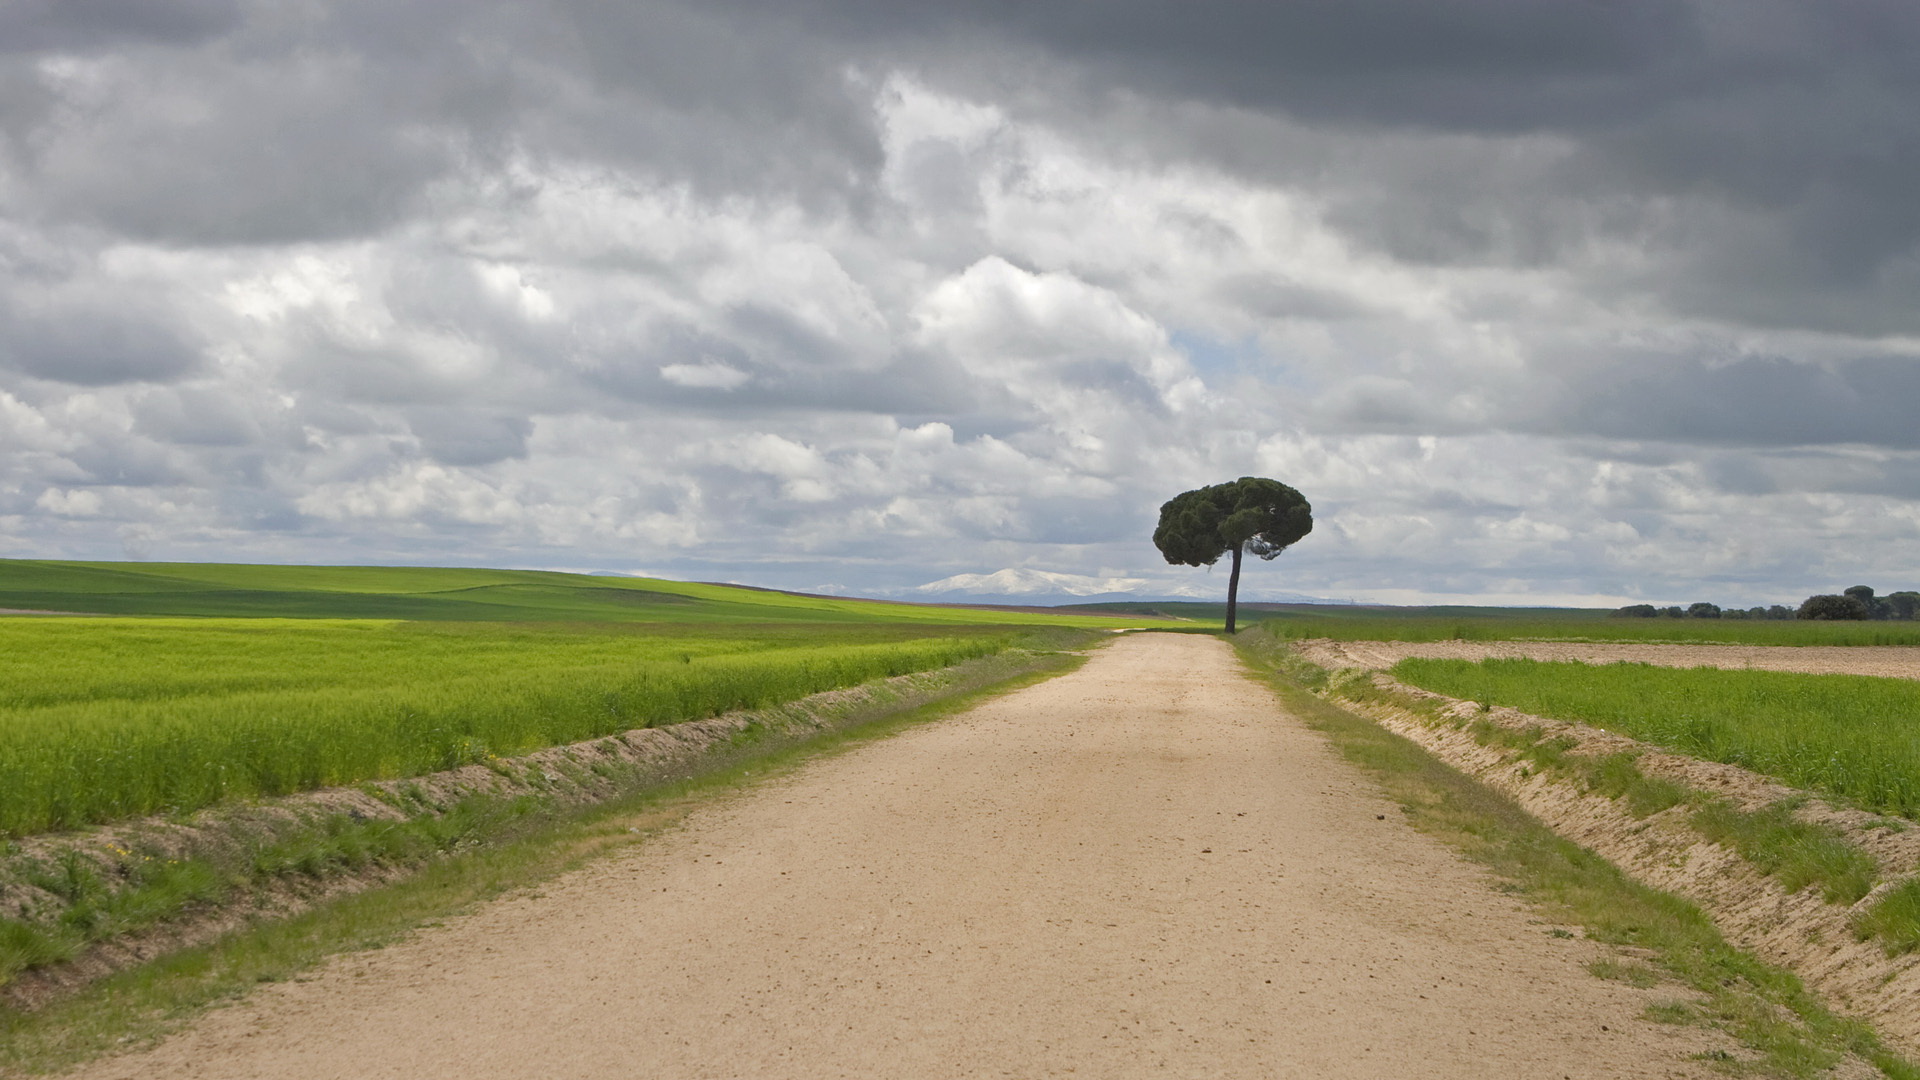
(90, 25)
(1797, 120)
(1813, 471)
(1455, 65)
(1756, 402)
(1765, 151)
(277, 124)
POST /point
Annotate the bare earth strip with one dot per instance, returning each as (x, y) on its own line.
(1142, 868)
(1893, 661)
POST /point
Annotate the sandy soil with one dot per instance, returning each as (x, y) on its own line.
(1143, 868)
(1895, 661)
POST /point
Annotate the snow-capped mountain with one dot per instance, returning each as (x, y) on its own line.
(1020, 585)
(1030, 583)
(1024, 586)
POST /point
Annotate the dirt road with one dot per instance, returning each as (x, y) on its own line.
(1140, 869)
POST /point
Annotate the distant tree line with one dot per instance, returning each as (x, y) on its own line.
(1858, 602)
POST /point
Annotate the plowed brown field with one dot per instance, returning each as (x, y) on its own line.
(1894, 661)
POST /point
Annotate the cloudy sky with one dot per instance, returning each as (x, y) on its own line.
(1571, 302)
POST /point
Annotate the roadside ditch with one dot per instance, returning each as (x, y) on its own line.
(1828, 892)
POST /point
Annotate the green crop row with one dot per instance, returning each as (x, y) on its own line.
(105, 719)
(1855, 737)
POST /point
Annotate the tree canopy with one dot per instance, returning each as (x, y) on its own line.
(1249, 514)
(1829, 606)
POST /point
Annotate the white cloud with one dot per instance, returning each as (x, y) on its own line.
(706, 375)
(70, 503)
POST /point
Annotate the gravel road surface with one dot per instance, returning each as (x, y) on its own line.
(1144, 868)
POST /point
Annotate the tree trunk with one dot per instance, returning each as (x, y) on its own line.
(1233, 587)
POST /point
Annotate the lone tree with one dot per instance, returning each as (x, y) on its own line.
(1249, 514)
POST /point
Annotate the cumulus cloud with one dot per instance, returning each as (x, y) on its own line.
(1572, 302)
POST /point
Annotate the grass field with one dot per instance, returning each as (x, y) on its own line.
(1852, 736)
(105, 718)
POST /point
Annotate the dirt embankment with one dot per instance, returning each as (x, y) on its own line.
(1138, 869)
(230, 837)
(1799, 931)
(1893, 661)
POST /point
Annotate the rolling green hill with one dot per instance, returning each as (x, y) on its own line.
(450, 595)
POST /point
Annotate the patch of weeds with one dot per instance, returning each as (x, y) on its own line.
(343, 842)
(1532, 744)
(1679, 1013)
(1790, 1032)
(119, 893)
(1271, 649)
(1894, 918)
(1795, 853)
(412, 797)
(1357, 686)
(24, 945)
(1639, 976)
(1300, 670)
(750, 735)
(1618, 777)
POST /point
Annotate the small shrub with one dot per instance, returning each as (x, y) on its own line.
(1618, 777)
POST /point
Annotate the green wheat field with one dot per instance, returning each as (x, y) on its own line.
(190, 694)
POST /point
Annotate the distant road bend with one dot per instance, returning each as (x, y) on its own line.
(1144, 868)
